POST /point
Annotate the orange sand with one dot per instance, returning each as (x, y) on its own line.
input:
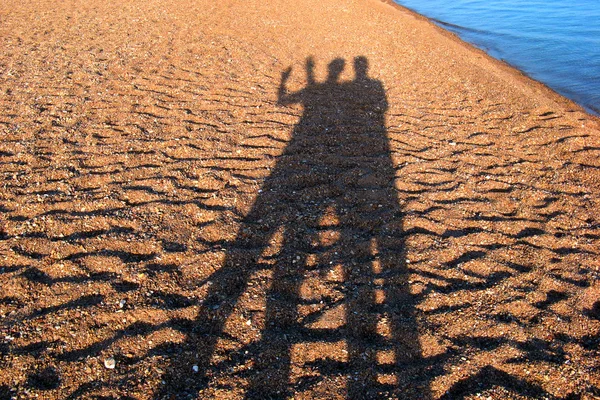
(176, 199)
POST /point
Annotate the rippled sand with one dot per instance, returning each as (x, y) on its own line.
(182, 215)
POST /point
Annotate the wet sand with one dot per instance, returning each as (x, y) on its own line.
(287, 199)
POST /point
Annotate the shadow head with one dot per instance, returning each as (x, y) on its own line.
(335, 69)
(361, 66)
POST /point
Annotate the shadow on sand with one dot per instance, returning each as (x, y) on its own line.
(327, 218)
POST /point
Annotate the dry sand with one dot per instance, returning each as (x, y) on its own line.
(179, 204)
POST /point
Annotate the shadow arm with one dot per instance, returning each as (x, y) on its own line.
(283, 97)
(310, 71)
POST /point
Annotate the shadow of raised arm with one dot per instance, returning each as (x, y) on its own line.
(285, 98)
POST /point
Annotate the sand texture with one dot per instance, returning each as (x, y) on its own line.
(308, 199)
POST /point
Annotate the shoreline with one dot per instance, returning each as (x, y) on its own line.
(310, 199)
(529, 80)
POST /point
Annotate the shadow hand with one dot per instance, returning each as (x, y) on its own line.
(286, 74)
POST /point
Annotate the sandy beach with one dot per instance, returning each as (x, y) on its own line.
(305, 199)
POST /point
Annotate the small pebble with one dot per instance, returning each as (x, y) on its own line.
(195, 368)
(110, 363)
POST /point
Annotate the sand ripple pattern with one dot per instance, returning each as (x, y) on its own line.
(161, 205)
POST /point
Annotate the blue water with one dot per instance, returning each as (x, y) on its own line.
(556, 42)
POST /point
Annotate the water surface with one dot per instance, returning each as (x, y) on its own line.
(556, 42)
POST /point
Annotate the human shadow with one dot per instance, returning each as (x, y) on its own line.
(327, 224)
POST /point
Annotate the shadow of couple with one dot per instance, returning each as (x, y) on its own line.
(327, 226)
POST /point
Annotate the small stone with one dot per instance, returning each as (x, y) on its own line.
(110, 363)
(195, 368)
